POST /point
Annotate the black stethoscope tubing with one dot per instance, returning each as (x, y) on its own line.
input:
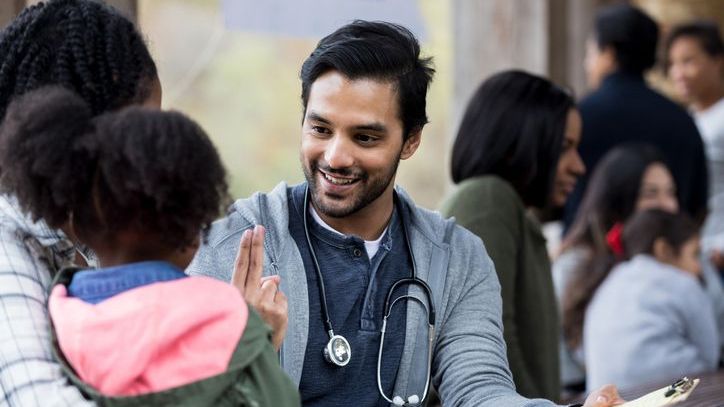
(320, 280)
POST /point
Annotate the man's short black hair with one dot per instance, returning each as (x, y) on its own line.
(631, 33)
(706, 33)
(375, 50)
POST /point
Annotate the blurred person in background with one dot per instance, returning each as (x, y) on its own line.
(623, 108)
(630, 178)
(650, 320)
(516, 153)
(695, 65)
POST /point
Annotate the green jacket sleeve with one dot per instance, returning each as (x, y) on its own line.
(261, 381)
(490, 208)
(499, 236)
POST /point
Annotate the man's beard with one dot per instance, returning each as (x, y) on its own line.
(368, 190)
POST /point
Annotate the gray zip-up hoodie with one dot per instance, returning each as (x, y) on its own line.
(469, 365)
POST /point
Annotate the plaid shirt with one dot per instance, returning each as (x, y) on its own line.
(30, 255)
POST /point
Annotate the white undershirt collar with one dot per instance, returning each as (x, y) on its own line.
(371, 246)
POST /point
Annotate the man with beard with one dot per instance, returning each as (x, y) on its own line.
(385, 297)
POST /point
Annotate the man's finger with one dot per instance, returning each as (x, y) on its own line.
(256, 258)
(276, 278)
(241, 264)
(269, 290)
(281, 304)
(281, 299)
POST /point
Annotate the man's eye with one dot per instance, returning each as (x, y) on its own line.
(320, 129)
(364, 138)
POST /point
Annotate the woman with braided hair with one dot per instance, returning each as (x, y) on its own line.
(89, 48)
(85, 46)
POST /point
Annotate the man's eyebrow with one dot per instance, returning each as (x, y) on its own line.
(376, 127)
(317, 118)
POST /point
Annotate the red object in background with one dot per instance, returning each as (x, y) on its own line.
(613, 239)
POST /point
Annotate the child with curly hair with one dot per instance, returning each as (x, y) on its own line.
(137, 186)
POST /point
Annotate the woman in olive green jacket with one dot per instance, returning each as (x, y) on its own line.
(515, 155)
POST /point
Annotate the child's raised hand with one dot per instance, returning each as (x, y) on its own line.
(261, 293)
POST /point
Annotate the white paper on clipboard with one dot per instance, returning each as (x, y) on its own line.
(677, 392)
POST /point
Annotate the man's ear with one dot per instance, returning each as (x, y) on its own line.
(411, 144)
(608, 55)
(663, 251)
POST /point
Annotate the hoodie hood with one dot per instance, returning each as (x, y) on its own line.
(151, 338)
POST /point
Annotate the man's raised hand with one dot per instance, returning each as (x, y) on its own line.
(262, 293)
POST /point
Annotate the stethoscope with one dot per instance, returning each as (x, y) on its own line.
(338, 350)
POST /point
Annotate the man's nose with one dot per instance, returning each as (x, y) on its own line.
(338, 153)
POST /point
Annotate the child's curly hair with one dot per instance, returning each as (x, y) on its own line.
(135, 169)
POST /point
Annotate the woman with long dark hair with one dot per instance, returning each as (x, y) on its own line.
(515, 154)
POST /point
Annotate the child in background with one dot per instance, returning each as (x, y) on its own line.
(651, 320)
(137, 186)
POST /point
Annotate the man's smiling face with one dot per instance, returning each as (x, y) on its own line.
(352, 143)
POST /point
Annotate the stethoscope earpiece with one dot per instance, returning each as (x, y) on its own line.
(411, 401)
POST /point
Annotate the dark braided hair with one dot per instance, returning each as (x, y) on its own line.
(136, 169)
(82, 45)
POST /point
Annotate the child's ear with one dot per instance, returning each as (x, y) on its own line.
(663, 251)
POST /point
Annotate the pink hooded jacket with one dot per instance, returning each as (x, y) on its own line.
(150, 338)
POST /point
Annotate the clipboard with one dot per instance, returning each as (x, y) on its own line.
(670, 395)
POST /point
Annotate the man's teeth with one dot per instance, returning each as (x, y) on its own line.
(338, 181)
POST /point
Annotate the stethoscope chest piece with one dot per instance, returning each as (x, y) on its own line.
(338, 351)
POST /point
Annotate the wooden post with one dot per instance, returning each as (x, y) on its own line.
(546, 37)
(578, 23)
(492, 35)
